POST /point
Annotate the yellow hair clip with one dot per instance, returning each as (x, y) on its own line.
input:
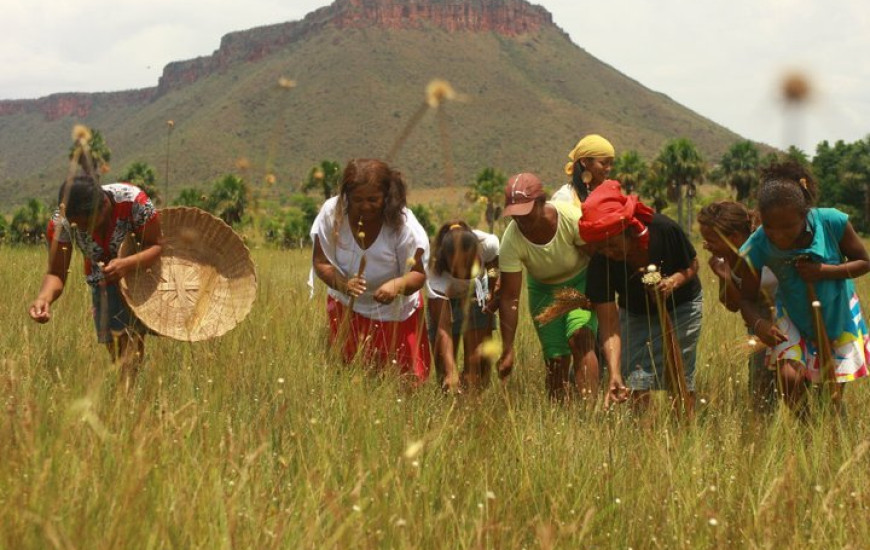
(455, 226)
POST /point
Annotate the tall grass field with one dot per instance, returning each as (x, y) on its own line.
(260, 439)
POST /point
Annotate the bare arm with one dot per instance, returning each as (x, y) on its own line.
(672, 282)
(729, 294)
(508, 317)
(611, 342)
(407, 284)
(857, 261)
(152, 247)
(331, 275)
(444, 345)
(53, 281)
(494, 286)
(761, 326)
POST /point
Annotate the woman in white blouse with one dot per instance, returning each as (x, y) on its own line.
(369, 249)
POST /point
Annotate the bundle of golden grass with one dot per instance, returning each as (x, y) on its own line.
(566, 299)
(675, 371)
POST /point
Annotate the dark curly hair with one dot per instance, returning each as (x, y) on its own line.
(453, 237)
(787, 183)
(372, 171)
(727, 217)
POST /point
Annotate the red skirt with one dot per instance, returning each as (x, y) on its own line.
(383, 343)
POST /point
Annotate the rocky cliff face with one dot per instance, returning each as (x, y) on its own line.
(506, 17)
(78, 105)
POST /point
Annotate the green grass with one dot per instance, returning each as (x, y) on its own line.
(259, 440)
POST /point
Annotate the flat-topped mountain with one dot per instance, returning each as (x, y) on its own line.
(360, 68)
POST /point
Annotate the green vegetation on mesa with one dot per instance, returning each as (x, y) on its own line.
(524, 102)
(261, 440)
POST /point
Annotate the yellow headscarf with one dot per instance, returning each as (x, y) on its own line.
(591, 146)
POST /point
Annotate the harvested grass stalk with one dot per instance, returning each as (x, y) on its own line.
(566, 299)
(827, 366)
(675, 371)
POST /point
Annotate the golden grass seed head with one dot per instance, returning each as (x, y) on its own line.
(286, 83)
(437, 91)
(81, 132)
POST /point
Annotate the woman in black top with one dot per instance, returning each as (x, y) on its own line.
(630, 237)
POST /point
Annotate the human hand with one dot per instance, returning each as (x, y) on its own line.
(616, 391)
(666, 286)
(451, 383)
(492, 302)
(387, 292)
(117, 269)
(356, 285)
(40, 310)
(768, 332)
(720, 267)
(809, 270)
(505, 364)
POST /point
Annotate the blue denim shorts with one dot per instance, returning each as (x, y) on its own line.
(112, 317)
(643, 360)
(477, 319)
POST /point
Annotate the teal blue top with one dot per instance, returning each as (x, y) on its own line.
(828, 225)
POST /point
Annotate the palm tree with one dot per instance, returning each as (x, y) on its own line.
(682, 166)
(229, 198)
(655, 188)
(29, 222)
(631, 170)
(143, 176)
(739, 168)
(325, 176)
(100, 155)
(795, 153)
(488, 187)
(192, 197)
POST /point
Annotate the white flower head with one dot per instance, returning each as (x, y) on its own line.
(413, 449)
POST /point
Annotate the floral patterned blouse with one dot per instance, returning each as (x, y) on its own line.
(132, 210)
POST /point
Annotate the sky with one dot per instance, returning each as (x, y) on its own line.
(724, 59)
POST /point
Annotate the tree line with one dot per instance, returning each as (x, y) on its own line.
(670, 181)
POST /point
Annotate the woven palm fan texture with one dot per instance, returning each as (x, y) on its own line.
(204, 283)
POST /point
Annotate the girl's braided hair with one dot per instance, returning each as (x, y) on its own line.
(787, 183)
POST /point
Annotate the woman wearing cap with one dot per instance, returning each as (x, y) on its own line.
(591, 161)
(628, 237)
(543, 237)
(369, 249)
(99, 218)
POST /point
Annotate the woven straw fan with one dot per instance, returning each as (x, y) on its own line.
(204, 283)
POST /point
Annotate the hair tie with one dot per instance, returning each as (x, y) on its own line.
(803, 183)
(455, 226)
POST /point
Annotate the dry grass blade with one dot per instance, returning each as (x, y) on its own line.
(566, 299)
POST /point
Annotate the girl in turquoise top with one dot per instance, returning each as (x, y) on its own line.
(805, 246)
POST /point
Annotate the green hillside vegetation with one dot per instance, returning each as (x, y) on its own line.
(525, 102)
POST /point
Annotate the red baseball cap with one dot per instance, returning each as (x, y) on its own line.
(520, 194)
